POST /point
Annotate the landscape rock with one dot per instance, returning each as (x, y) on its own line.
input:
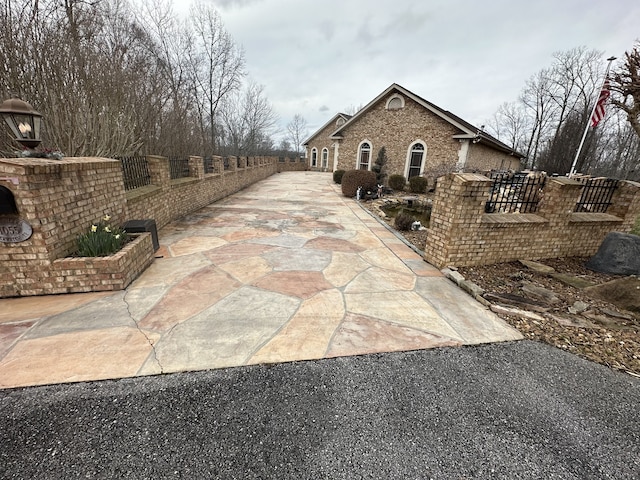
(572, 321)
(578, 307)
(516, 301)
(540, 293)
(537, 266)
(622, 292)
(516, 312)
(618, 254)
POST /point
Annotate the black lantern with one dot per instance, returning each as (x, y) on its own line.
(23, 120)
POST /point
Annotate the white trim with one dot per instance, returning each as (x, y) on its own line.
(314, 160)
(463, 155)
(393, 97)
(407, 163)
(336, 145)
(324, 161)
(358, 154)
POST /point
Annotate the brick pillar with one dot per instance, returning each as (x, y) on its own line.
(560, 197)
(218, 166)
(625, 204)
(196, 167)
(457, 211)
(159, 171)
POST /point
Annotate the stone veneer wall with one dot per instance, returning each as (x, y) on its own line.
(396, 130)
(62, 198)
(483, 158)
(462, 234)
(320, 141)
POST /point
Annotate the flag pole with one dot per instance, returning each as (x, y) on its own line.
(595, 105)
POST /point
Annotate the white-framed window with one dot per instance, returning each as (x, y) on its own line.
(325, 157)
(339, 122)
(415, 159)
(314, 157)
(364, 156)
(395, 102)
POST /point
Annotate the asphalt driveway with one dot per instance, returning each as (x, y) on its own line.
(510, 410)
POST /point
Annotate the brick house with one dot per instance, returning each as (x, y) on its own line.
(420, 138)
(320, 150)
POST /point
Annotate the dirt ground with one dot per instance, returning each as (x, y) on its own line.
(561, 310)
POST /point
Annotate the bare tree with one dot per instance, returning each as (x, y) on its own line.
(626, 82)
(248, 121)
(297, 130)
(217, 67)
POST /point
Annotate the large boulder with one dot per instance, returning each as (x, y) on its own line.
(619, 254)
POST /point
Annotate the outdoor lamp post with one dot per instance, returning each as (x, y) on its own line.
(23, 120)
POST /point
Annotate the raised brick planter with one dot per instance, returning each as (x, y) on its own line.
(94, 274)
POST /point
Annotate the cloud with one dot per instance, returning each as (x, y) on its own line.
(230, 4)
(324, 109)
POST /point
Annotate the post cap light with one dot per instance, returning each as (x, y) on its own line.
(23, 120)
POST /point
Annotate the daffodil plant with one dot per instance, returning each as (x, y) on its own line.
(102, 239)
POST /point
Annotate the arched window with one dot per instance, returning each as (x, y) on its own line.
(364, 156)
(325, 157)
(339, 122)
(395, 102)
(416, 160)
(314, 157)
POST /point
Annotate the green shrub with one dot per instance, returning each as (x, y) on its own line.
(337, 176)
(418, 184)
(101, 240)
(380, 166)
(403, 221)
(636, 227)
(352, 179)
(397, 182)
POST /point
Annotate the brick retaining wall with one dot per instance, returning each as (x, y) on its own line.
(462, 234)
(60, 199)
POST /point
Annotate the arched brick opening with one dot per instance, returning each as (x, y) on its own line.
(7, 202)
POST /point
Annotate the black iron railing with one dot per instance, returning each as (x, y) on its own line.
(208, 165)
(178, 167)
(514, 193)
(225, 162)
(135, 172)
(596, 194)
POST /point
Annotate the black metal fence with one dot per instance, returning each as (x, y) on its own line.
(208, 165)
(514, 193)
(225, 163)
(135, 171)
(178, 167)
(596, 194)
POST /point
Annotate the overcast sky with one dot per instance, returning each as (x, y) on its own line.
(318, 57)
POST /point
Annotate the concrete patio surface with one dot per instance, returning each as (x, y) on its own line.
(285, 270)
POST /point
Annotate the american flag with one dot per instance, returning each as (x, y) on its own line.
(598, 113)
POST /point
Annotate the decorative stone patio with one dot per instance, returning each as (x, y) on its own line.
(285, 270)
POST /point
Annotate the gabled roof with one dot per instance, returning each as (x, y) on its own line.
(344, 116)
(468, 130)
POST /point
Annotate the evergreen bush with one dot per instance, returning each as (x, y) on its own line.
(397, 182)
(352, 179)
(337, 176)
(418, 184)
(380, 166)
